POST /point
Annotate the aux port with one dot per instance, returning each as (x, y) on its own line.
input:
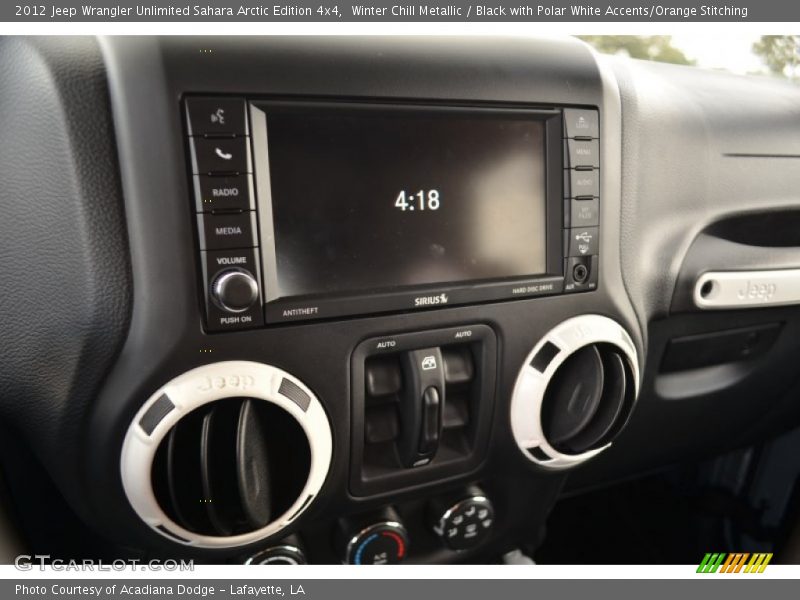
(580, 273)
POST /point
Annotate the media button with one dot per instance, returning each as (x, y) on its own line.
(216, 116)
(220, 155)
(581, 123)
(220, 192)
(221, 231)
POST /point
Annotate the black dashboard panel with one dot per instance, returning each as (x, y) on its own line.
(148, 79)
(406, 417)
(66, 302)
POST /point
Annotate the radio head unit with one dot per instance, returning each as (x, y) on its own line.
(361, 208)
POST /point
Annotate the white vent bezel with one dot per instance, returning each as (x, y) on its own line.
(529, 389)
(201, 386)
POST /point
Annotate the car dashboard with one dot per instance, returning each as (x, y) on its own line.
(378, 300)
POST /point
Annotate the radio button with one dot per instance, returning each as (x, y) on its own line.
(583, 242)
(216, 116)
(581, 123)
(581, 183)
(216, 192)
(584, 212)
(220, 155)
(581, 153)
(221, 231)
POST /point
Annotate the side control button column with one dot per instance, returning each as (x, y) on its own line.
(219, 144)
(581, 199)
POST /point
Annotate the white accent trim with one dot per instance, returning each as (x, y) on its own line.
(744, 289)
(529, 390)
(194, 389)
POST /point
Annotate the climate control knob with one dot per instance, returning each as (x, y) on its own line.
(234, 290)
(382, 542)
(284, 554)
(463, 521)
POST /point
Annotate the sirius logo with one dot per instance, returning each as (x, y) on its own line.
(431, 300)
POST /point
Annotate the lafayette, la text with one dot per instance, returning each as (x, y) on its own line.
(191, 590)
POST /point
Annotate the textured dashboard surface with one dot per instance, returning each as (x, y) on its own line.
(66, 295)
(698, 146)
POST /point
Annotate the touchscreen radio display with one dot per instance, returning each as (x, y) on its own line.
(385, 198)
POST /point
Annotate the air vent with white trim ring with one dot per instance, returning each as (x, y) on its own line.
(226, 454)
(575, 392)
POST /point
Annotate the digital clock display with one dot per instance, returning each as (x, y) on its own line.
(381, 198)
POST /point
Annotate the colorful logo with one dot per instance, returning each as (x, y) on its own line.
(720, 562)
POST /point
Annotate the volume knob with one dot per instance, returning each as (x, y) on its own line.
(234, 290)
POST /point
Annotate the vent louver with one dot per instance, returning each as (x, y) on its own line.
(588, 400)
(231, 466)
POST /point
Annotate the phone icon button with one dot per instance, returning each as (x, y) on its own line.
(220, 155)
(223, 155)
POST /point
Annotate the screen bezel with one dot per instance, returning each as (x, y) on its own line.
(417, 297)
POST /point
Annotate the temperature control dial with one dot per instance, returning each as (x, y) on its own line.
(465, 522)
(382, 543)
(234, 290)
